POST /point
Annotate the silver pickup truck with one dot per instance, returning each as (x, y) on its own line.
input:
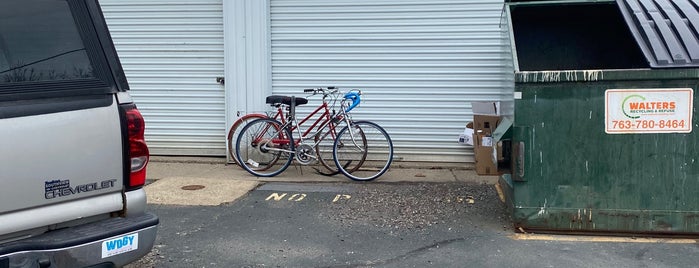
(72, 151)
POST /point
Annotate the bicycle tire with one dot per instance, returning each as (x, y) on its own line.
(377, 151)
(325, 143)
(254, 158)
(235, 130)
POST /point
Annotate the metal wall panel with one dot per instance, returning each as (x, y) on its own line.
(172, 52)
(419, 63)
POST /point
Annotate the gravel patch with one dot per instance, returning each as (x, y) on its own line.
(413, 207)
(399, 210)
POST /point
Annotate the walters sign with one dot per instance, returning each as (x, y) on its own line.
(665, 110)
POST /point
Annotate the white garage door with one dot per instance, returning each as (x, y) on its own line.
(172, 52)
(419, 63)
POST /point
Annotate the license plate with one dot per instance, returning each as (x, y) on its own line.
(119, 245)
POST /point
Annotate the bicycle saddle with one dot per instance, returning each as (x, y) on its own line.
(276, 99)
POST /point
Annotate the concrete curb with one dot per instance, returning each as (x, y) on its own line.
(218, 168)
(212, 181)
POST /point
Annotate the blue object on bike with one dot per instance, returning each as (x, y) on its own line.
(354, 96)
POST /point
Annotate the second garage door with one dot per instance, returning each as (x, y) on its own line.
(419, 63)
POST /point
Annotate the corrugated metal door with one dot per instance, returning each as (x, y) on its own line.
(172, 52)
(419, 63)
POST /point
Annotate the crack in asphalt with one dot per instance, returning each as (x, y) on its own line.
(405, 256)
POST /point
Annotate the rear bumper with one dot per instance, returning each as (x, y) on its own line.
(118, 241)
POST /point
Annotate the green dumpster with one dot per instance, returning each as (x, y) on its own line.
(604, 137)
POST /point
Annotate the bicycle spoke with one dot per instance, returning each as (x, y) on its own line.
(234, 131)
(261, 148)
(324, 149)
(366, 144)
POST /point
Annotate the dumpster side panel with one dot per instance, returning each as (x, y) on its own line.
(576, 177)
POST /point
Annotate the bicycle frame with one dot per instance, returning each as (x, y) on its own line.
(266, 141)
(279, 114)
(322, 121)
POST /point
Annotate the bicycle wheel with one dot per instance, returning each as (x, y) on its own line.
(377, 150)
(325, 142)
(262, 147)
(235, 130)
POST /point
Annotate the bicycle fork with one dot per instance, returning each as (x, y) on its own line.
(351, 132)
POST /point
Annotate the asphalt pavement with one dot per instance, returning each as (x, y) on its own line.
(216, 215)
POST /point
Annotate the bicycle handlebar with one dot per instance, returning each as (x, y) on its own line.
(325, 91)
(353, 95)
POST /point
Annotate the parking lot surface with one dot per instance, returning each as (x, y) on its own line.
(406, 224)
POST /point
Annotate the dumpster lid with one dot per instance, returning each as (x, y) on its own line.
(665, 30)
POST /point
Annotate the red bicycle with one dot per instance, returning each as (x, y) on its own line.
(241, 122)
(324, 122)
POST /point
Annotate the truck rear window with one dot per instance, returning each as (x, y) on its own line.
(40, 41)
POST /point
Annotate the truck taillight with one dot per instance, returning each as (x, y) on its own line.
(137, 148)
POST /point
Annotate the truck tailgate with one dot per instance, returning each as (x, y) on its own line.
(51, 146)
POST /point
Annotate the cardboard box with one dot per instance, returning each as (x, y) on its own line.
(487, 141)
(485, 107)
(485, 123)
(484, 161)
(485, 154)
(478, 140)
(487, 147)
